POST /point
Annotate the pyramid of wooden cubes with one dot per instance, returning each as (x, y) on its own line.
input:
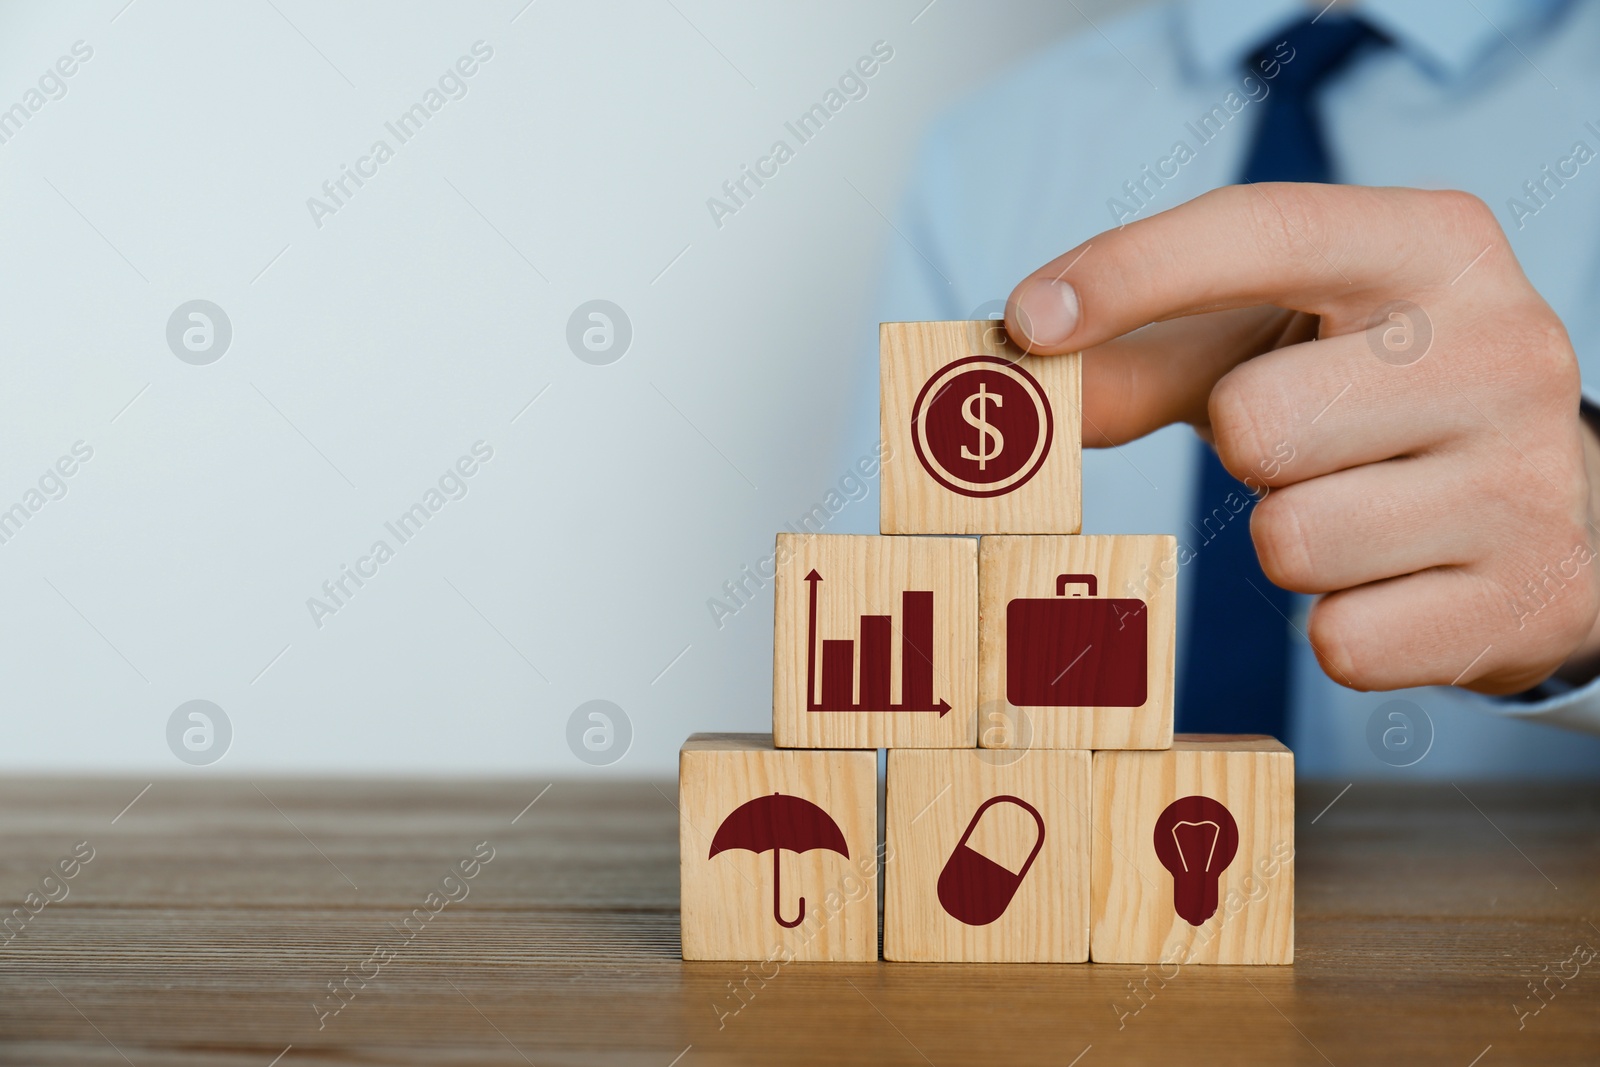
(1020, 674)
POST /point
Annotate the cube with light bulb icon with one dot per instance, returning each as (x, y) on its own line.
(1194, 853)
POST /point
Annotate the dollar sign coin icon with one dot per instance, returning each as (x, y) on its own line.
(981, 426)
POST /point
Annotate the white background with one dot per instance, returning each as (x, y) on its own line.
(372, 352)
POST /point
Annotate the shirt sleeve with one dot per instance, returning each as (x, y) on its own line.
(1553, 702)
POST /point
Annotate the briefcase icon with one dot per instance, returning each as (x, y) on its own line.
(1079, 651)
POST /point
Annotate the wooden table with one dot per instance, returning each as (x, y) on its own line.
(214, 915)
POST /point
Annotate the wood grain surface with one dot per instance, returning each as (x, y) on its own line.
(214, 914)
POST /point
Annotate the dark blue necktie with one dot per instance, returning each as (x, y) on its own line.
(1236, 667)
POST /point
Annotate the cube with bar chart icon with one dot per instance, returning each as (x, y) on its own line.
(876, 642)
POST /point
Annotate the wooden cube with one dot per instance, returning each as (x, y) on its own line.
(987, 856)
(979, 438)
(875, 642)
(778, 857)
(1076, 641)
(1194, 853)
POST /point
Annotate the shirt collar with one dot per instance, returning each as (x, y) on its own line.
(1220, 35)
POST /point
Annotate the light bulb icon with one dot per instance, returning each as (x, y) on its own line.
(1195, 840)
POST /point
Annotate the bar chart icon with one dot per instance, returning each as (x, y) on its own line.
(844, 687)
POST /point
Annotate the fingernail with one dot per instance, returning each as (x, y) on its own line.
(1047, 312)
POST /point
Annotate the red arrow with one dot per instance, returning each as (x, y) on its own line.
(811, 644)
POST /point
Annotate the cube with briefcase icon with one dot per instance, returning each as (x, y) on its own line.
(1076, 641)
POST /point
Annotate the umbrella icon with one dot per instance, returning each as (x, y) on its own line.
(779, 822)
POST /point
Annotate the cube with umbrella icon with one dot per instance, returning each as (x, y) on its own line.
(815, 812)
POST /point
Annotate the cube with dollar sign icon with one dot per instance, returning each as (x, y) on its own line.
(979, 438)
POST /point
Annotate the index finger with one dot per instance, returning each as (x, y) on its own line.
(1313, 248)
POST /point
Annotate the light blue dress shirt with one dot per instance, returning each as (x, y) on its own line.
(1482, 96)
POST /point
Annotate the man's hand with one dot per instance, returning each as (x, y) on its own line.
(1375, 361)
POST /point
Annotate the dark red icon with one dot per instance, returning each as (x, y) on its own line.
(779, 822)
(1077, 652)
(975, 889)
(838, 660)
(1196, 839)
(982, 426)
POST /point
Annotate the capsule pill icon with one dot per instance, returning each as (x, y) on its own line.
(973, 888)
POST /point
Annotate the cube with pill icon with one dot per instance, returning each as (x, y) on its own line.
(986, 856)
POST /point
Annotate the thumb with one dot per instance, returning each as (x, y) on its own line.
(1164, 373)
